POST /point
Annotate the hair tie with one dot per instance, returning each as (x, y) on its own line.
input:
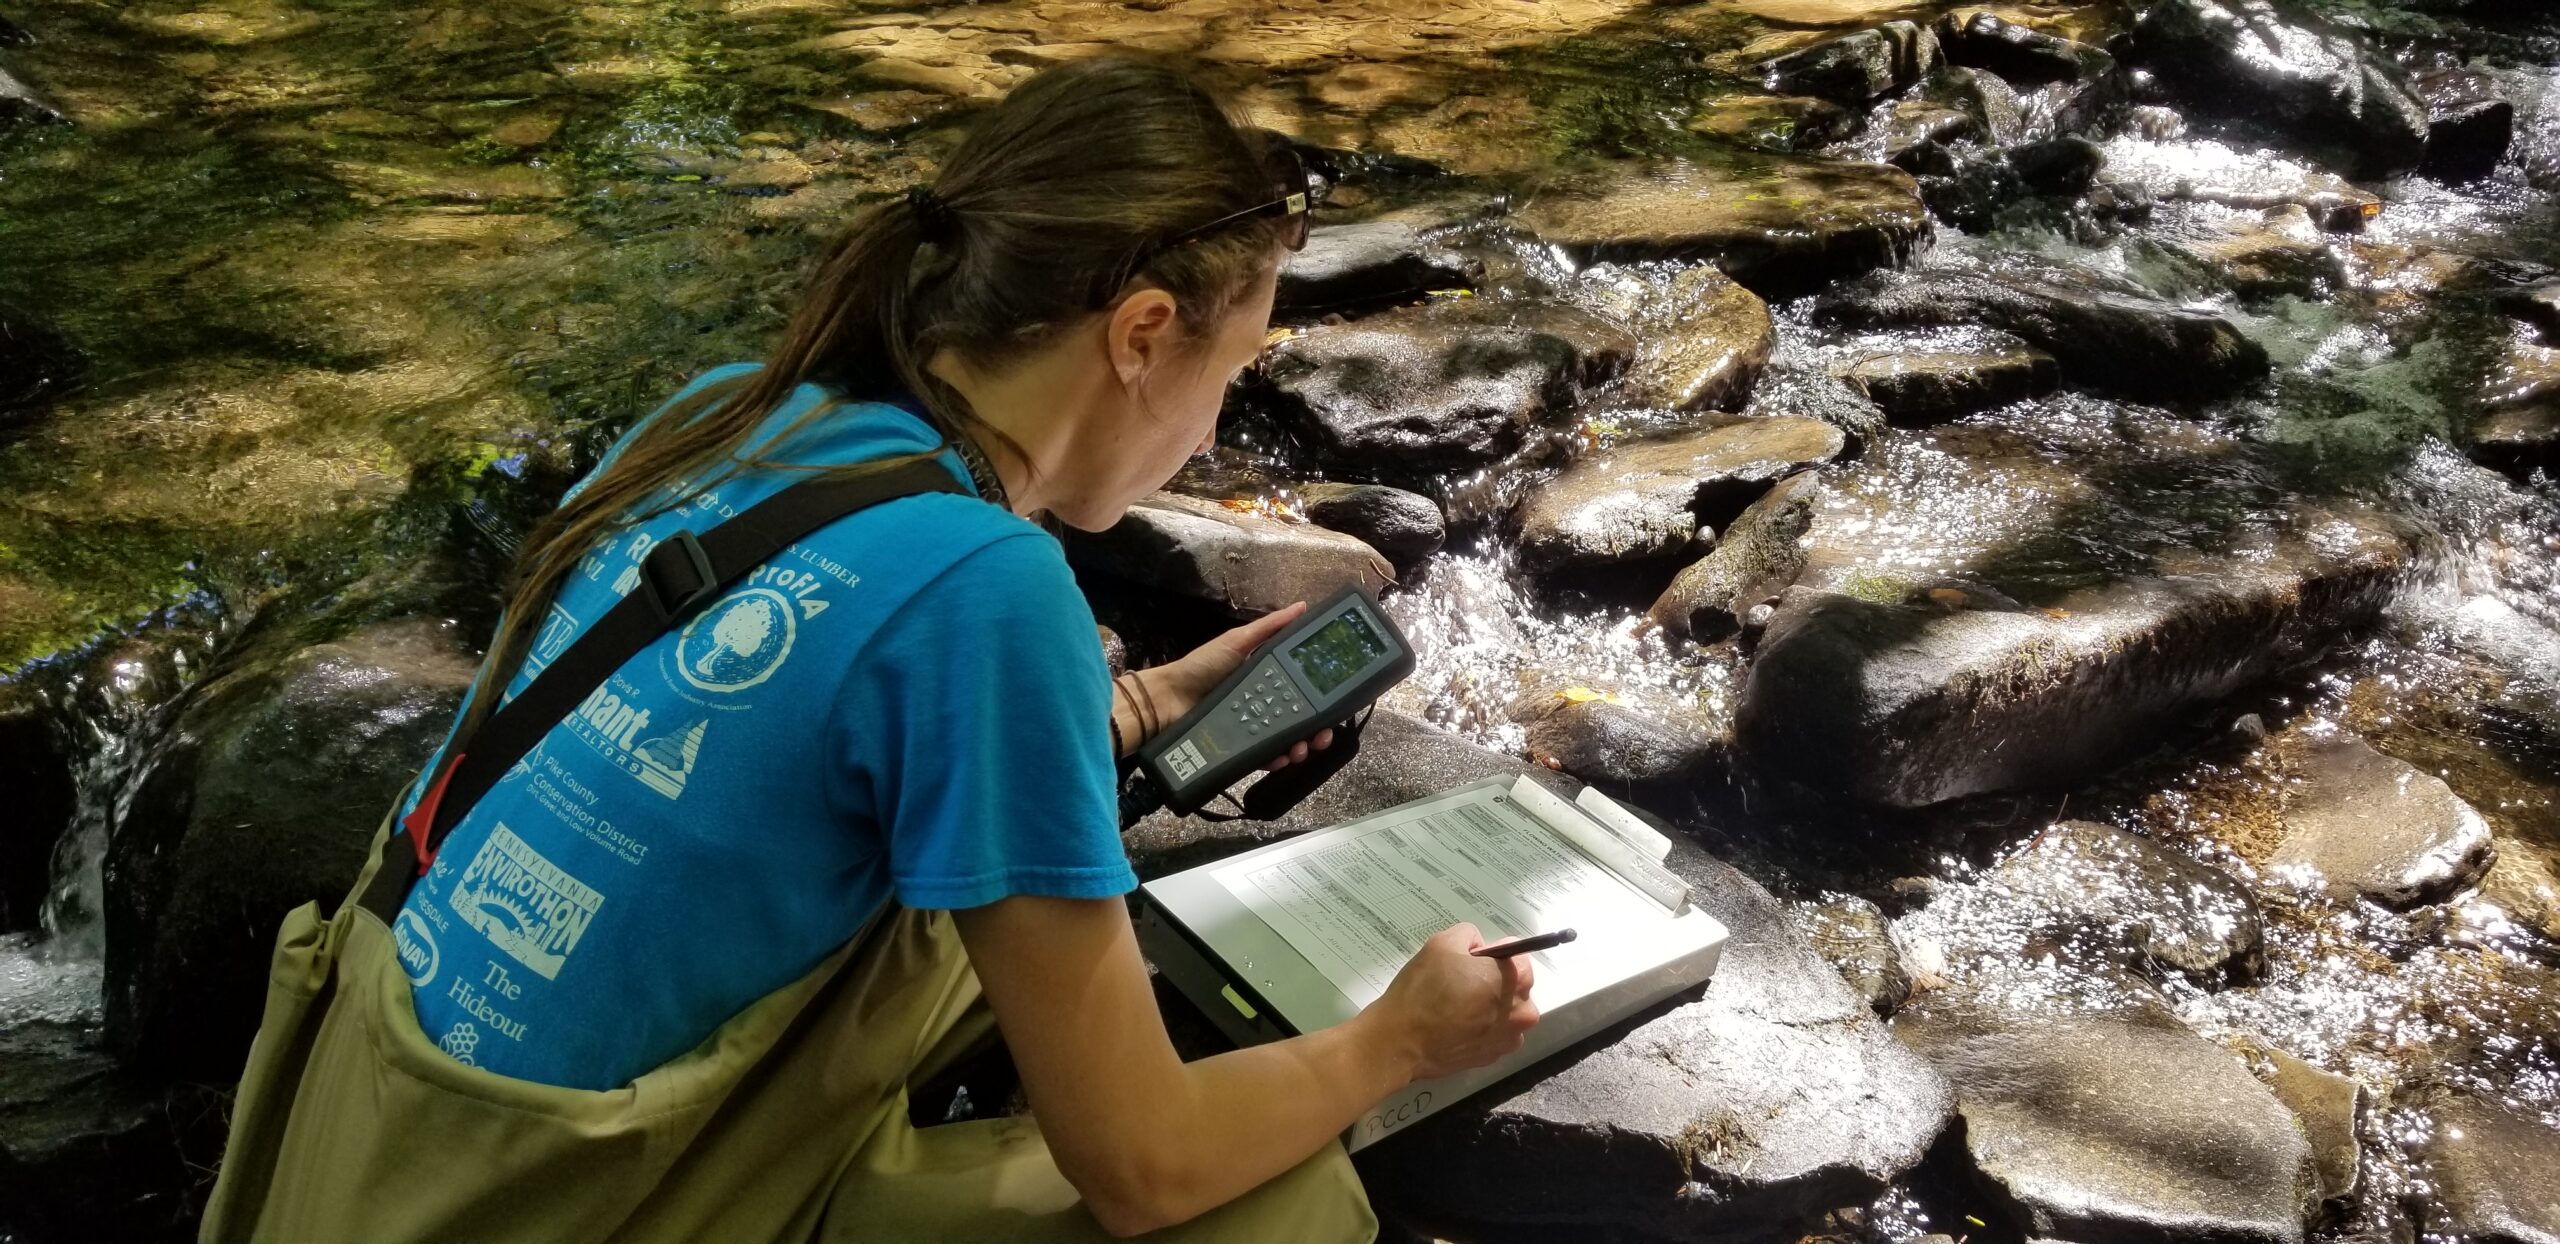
(935, 222)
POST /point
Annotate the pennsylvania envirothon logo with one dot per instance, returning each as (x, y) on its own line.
(524, 904)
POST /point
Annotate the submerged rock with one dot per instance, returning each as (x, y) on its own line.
(1645, 500)
(1370, 262)
(1773, 1095)
(1923, 387)
(2327, 1104)
(2181, 914)
(1760, 554)
(1449, 384)
(2018, 53)
(2469, 124)
(2491, 1167)
(2518, 428)
(2115, 1123)
(89, 1150)
(35, 365)
(2279, 251)
(35, 768)
(2103, 338)
(2210, 172)
(1857, 67)
(272, 785)
(2360, 824)
(1970, 191)
(1774, 122)
(1854, 937)
(1232, 555)
(2321, 88)
(1704, 338)
(1404, 527)
(1781, 225)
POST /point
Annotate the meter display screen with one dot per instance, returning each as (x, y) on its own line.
(1336, 651)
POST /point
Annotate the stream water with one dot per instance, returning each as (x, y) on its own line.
(351, 277)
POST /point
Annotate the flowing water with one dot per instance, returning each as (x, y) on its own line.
(353, 280)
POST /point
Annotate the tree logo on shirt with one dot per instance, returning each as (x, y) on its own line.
(738, 642)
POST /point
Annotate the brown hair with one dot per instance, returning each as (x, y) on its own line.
(1039, 214)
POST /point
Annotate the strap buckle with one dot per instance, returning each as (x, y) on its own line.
(677, 575)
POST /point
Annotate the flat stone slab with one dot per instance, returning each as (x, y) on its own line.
(2103, 337)
(1229, 553)
(1645, 500)
(2204, 171)
(2115, 1124)
(1921, 387)
(2182, 914)
(1704, 338)
(1725, 1116)
(1781, 225)
(2258, 254)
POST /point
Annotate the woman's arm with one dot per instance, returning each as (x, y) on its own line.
(1150, 1140)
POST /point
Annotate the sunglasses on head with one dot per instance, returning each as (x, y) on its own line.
(1297, 198)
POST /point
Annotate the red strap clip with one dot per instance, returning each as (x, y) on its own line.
(422, 819)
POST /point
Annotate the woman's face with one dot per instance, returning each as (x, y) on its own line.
(1171, 412)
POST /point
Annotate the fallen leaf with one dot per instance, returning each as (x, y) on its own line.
(2055, 614)
(1947, 597)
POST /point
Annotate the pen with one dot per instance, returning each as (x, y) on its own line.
(1535, 941)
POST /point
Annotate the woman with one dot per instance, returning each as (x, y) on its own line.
(673, 974)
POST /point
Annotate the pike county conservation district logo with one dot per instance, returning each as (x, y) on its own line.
(738, 642)
(524, 904)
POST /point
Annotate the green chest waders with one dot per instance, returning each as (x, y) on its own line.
(788, 1123)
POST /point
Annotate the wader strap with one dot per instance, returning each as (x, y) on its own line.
(679, 575)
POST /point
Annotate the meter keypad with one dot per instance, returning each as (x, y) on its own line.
(1267, 701)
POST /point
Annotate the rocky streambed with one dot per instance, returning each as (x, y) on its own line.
(2054, 501)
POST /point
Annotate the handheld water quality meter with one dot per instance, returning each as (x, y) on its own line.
(1331, 663)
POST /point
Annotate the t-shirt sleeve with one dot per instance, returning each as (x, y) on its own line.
(977, 719)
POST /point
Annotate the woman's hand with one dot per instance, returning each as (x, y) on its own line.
(1178, 686)
(1451, 1010)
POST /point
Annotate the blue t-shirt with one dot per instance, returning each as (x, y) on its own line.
(910, 703)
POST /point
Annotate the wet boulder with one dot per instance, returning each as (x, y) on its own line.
(20, 105)
(1918, 134)
(1446, 385)
(1231, 554)
(1704, 339)
(1404, 527)
(1366, 263)
(2256, 254)
(35, 768)
(1761, 553)
(36, 364)
(2061, 630)
(2103, 337)
(2022, 54)
(2491, 1168)
(2179, 913)
(1645, 500)
(2518, 428)
(90, 1150)
(2356, 823)
(1969, 191)
(1724, 1116)
(2469, 124)
(2321, 88)
(1813, 393)
(1629, 753)
(2113, 1122)
(1781, 225)
(2204, 171)
(266, 795)
(1922, 387)
(1858, 67)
